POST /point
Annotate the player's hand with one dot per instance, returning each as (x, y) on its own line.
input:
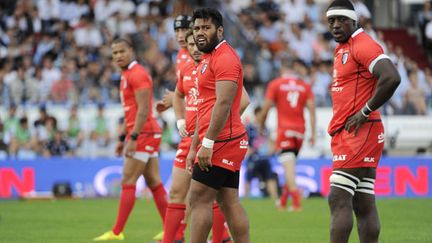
(130, 148)
(204, 156)
(190, 159)
(119, 148)
(168, 97)
(181, 126)
(312, 140)
(354, 122)
(160, 106)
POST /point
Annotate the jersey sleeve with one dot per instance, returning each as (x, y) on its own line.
(271, 91)
(227, 67)
(368, 52)
(179, 84)
(140, 80)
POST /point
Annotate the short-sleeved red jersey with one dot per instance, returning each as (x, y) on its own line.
(290, 96)
(183, 57)
(187, 84)
(132, 79)
(222, 64)
(353, 82)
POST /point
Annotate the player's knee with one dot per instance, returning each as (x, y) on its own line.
(287, 156)
(177, 195)
(129, 177)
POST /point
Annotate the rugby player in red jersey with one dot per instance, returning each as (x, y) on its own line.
(290, 95)
(140, 139)
(217, 159)
(364, 78)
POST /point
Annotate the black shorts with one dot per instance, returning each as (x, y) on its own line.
(217, 177)
(293, 150)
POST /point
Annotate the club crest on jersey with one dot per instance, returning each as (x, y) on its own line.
(204, 67)
(345, 58)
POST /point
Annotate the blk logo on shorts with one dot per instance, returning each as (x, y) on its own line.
(227, 162)
(369, 159)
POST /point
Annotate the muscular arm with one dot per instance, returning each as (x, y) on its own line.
(388, 80)
(225, 93)
(244, 102)
(142, 97)
(262, 115)
(179, 104)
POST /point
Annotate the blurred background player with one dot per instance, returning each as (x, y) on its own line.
(364, 78)
(142, 134)
(290, 95)
(182, 24)
(258, 160)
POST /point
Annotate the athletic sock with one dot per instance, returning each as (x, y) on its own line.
(284, 197)
(160, 198)
(218, 227)
(127, 201)
(296, 197)
(175, 214)
(180, 232)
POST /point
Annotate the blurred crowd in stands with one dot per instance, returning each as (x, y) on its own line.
(57, 52)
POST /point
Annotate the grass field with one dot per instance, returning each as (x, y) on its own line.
(402, 220)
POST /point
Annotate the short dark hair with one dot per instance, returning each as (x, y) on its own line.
(122, 40)
(208, 13)
(343, 4)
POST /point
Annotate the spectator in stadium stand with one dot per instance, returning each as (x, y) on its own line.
(22, 138)
(57, 146)
(100, 133)
(415, 97)
(364, 78)
(22, 87)
(215, 164)
(3, 143)
(291, 95)
(74, 132)
(142, 135)
(63, 89)
(11, 121)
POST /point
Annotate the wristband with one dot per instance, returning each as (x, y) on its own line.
(367, 107)
(363, 113)
(134, 136)
(207, 143)
(122, 138)
(180, 123)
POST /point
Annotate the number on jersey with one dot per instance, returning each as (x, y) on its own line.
(292, 97)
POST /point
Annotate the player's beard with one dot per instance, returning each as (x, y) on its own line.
(213, 42)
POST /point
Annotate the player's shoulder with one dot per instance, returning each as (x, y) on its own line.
(225, 49)
(362, 37)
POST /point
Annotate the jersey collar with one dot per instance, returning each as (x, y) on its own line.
(132, 64)
(357, 32)
(218, 45)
